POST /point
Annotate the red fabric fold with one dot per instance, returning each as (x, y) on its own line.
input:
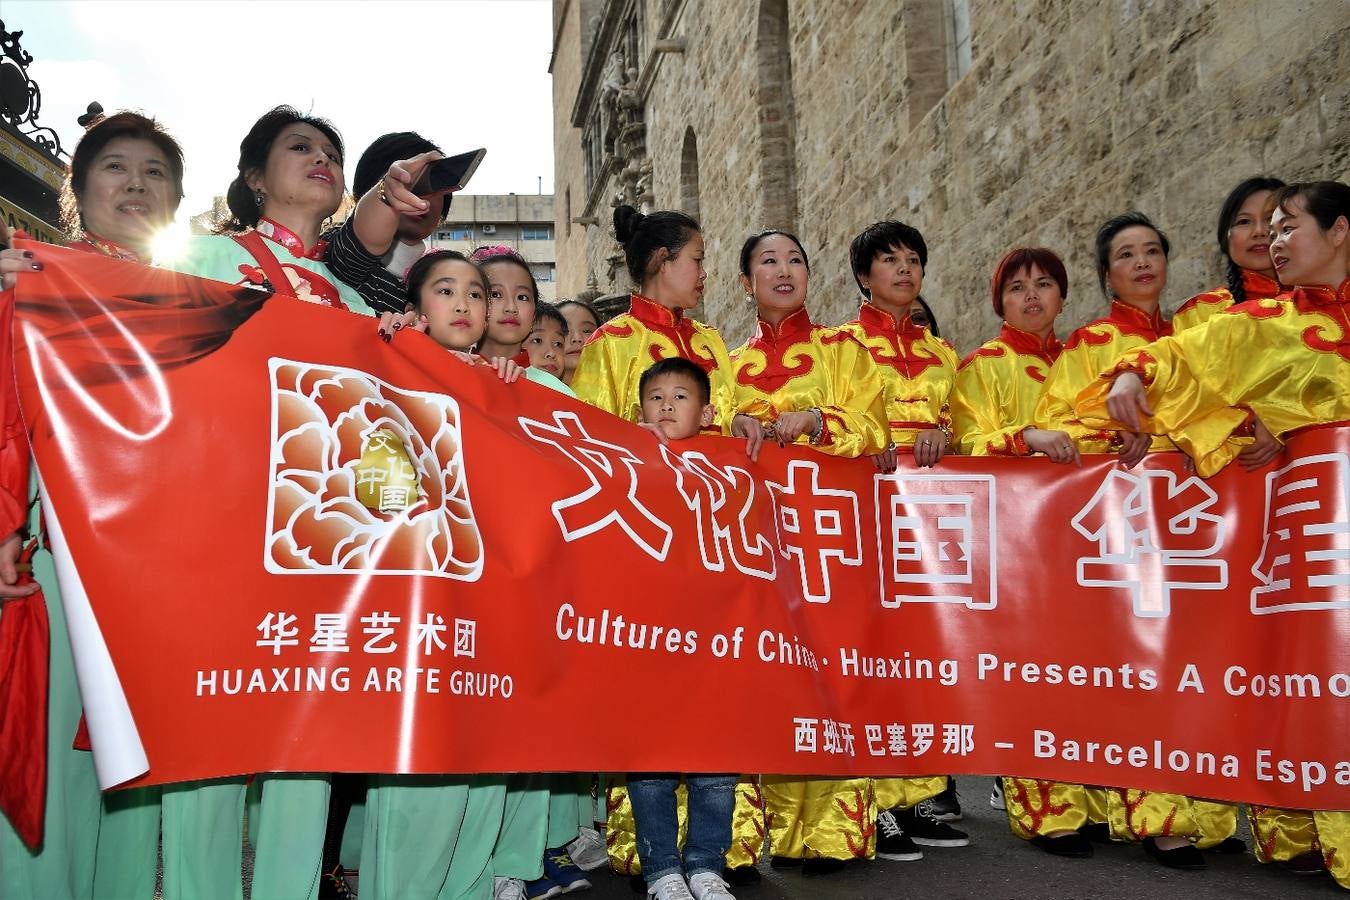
(24, 643)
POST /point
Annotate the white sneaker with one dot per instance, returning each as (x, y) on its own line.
(508, 889)
(588, 850)
(996, 796)
(709, 886)
(670, 887)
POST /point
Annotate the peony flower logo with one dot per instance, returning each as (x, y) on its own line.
(366, 478)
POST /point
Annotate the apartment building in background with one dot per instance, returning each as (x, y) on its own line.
(523, 222)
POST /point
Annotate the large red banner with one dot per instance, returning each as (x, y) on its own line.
(286, 545)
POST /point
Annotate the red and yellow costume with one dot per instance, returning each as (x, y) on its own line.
(1295, 353)
(918, 372)
(618, 352)
(607, 376)
(1197, 310)
(799, 365)
(795, 366)
(1132, 814)
(997, 388)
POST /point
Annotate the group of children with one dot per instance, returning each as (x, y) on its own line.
(883, 385)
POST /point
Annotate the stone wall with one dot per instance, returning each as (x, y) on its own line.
(1070, 112)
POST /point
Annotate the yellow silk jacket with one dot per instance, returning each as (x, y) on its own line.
(917, 371)
(1198, 309)
(1292, 370)
(1087, 353)
(800, 365)
(997, 389)
(618, 352)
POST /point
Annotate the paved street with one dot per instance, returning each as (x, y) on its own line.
(997, 866)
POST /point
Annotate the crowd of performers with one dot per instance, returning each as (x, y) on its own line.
(1234, 372)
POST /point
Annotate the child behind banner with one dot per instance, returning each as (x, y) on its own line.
(676, 402)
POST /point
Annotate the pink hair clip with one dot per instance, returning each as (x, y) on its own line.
(482, 254)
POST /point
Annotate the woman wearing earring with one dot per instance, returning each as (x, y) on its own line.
(290, 181)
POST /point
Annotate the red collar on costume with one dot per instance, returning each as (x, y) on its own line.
(1258, 286)
(1322, 294)
(282, 235)
(1133, 319)
(92, 243)
(649, 312)
(874, 318)
(522, 359)
(1029, 344)
(796, 326)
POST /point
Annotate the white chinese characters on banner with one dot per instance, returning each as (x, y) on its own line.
(1154, 535)
(709, 491)
(936, 540)
(1304, 562)
(829, 516)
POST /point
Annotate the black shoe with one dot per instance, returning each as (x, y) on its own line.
(821, 865)
(638, 884)
(1097, 832)
(1185, 857)
(740, 876)
(925, 830)
(1072, 845)
(784, 862)
(1230, 847)
(946, 806)
(892, 842)
(1310, 863)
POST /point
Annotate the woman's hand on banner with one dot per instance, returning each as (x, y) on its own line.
(392, 323)
(1263, 450)
(10, 551)
(885, 461)
(12, 261)
(1134, 446)
(749, 428)
(1057, 445)
(1126, 399)
(929, 446)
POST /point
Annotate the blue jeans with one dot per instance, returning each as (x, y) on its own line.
(711, 799)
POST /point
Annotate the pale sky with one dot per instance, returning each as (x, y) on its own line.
(463, 73)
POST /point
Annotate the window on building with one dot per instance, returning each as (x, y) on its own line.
(536, 233)
(455, 234)
(958, 40)
(544, 273)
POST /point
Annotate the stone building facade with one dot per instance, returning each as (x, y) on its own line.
(988, 124)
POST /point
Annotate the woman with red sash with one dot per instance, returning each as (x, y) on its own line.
(1132, 268)
(1296, 366)
(124, 185)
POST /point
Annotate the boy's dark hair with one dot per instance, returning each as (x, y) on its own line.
(1114, 226)
(545, 311)
(382, 153)
(876, 239)
(1232, 205)
(678, 365)
(642, 236)
(421, 270)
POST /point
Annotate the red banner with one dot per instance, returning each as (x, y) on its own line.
(304, 549)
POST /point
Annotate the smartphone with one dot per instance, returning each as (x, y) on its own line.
(449, 174)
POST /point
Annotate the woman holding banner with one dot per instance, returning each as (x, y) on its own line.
(124, 185)
(806, 384)
(1297, 348)
(1132, 258)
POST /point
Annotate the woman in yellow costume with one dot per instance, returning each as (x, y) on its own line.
(664, 256)
(1132, 268)
(917, 370)
(1296, 365)
(997, 389)
(806, 384)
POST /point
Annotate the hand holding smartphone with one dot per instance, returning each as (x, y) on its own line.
(448, 175)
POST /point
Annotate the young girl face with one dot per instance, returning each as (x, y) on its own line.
(580, 325)
(511, 310)
(546, 345)
(454, 300)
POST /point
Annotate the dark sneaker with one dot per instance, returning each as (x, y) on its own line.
(740, 876)
(821, 865)
(542, 888)
(1072, 845)
(1310, 863)
(559, 868)
(784, 862)
(924, 829)
(892, 842)
(946, 806)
